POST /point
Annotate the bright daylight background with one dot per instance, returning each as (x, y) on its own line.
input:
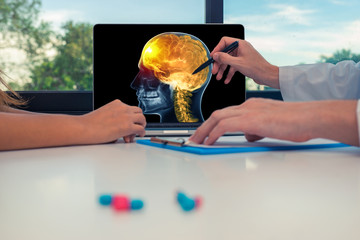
(292, 32)
(49, 47)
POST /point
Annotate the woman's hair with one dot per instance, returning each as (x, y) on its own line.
(12, 99)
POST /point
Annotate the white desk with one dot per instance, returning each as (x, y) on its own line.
(52, 194)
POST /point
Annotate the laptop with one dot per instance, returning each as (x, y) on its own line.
(151, 65)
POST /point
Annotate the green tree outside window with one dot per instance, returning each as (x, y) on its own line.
(71, 68)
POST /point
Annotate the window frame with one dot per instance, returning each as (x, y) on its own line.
(81, 102)
(59, 102)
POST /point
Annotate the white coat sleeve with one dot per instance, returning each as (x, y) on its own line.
(320, 81)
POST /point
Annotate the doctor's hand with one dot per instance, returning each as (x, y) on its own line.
(294, 121)
(244, 59)
(256, 118)
(112, 121)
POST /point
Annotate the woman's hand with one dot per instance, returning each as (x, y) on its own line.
(114, 120)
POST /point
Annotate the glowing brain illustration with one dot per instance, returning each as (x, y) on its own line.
(173, 58)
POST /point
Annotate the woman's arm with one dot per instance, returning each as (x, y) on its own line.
(20, 130)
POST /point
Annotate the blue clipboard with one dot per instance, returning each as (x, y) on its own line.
(225, 150)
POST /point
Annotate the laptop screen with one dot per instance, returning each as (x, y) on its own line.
(151, 66)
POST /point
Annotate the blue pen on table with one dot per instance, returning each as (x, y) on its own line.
(228, 49)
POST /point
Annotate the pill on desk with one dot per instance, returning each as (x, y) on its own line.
(105, 199)
(181, 197)
(121, 203)
(137, 204)
(188, 204)
(198, 201)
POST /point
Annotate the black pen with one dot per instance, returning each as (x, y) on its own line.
(228, 49)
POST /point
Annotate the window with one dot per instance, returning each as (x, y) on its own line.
(47, 45)
(296, 32)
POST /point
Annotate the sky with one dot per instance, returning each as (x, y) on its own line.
(284, 32)
(292, 32)
(125, 11)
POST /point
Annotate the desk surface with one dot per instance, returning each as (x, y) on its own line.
(52, 194)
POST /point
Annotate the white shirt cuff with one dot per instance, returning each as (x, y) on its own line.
(286, 83)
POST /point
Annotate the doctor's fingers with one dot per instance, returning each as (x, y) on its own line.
(230, 124)
(220, 72)
(230, 75)
(252, 137)
(203, 131)
(223, 43)
(216, 67)
(225, 60)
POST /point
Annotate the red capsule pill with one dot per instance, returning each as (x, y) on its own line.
(198, 201)
(121, 203)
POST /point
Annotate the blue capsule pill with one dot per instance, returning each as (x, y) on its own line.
(188, 204)
(105, 200)
(181, 197)
(137, 204)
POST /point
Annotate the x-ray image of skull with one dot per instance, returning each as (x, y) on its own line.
(165, 84)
